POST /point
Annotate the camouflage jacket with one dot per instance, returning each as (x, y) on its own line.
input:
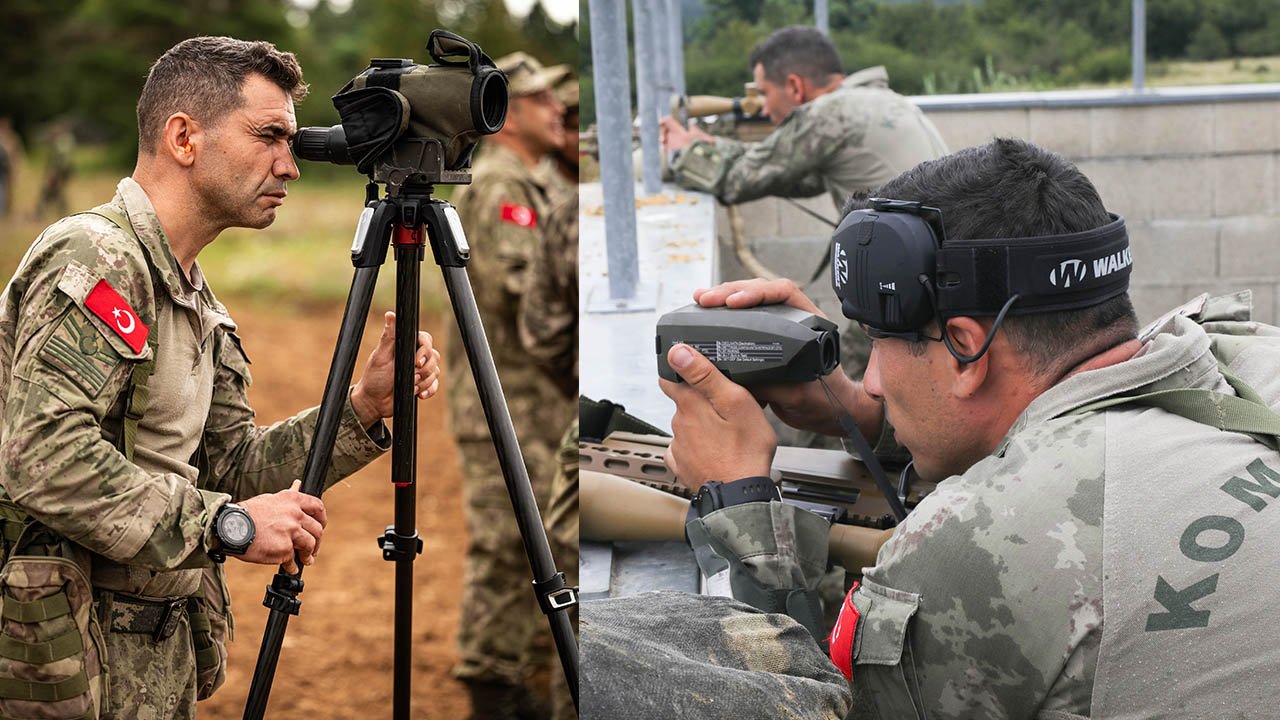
(549, 308)
(504, 214)
(855, 138)
(990, 600)
(63, 372)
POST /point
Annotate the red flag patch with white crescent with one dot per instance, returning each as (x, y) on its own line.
(519, 215)
(104, 302)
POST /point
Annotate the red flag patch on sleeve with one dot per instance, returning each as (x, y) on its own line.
(841, 639)
(104, 302)
(519, 215)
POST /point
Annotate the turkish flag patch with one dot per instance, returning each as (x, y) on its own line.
(841, 639)
(519, 215)
(104, 302)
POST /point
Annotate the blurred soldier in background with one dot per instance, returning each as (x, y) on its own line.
(549, 332)
(57, 171)
(566, 157)
(505, 211)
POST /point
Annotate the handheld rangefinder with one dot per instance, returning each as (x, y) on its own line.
(755, 346)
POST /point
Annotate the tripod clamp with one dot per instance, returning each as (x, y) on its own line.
(282, 593)
(554, 595)
(399, 547)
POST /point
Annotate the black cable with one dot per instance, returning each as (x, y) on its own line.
(864, 450)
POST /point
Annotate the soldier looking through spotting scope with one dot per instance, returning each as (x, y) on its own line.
(132, 463)
(1064, 440)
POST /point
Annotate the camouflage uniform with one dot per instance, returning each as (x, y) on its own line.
(144, 527)
(549, 332)
(853, 139)
(504, 211)
(990, 600)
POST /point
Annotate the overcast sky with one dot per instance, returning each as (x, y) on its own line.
(562, 10)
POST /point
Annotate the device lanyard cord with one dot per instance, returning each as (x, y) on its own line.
(946, 336)
(865, 452)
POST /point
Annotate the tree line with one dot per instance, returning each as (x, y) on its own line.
(983, 45)
(84, 61)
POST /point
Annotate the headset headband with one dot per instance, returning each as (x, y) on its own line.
(894, 270)
(1057, 272)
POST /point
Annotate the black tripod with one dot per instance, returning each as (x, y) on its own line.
(409, 210)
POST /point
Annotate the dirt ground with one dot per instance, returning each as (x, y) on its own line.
(336, 660)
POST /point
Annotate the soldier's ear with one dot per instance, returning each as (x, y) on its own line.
(794, 87)
(180, 138)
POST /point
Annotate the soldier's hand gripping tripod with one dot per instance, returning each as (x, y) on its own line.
(407, 217)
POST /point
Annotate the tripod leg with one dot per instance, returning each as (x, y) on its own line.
(283, 591)
(401, 542)
(554, 598)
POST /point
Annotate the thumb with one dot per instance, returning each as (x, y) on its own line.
(388, 328)
(698, 372)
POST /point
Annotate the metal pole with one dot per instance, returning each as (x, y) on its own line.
(821, 18)
(675, 21)
(1139, 45)
(647, 94)
(612, 87)
(660, 29)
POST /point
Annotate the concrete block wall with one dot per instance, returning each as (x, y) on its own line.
(1194, 173)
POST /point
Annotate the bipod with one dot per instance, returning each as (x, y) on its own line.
(406, 212)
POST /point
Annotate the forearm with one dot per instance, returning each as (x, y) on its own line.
(247, 460)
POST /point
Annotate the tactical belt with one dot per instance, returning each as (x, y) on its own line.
(157, 618)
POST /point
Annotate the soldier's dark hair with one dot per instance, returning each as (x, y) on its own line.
(204, 77)
(1010, 188)
(797, 50)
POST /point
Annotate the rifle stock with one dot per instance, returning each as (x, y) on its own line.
(628, 493)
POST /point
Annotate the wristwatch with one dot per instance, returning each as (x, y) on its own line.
(714, 496)
(233, 527)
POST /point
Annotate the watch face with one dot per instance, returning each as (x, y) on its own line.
(235, 528)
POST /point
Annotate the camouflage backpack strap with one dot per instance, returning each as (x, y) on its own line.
(137, 392)
(1245, 412)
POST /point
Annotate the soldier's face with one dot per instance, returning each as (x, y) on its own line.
(538, 120)
(243, 174)
(914, 381)
(778, 100)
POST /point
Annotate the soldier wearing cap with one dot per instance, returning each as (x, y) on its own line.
(505, 212)
(562, 165)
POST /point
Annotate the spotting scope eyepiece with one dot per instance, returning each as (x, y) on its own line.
(321, 144)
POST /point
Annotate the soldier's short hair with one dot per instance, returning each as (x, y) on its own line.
(1011, 188)
(797, 50)
(204, 77)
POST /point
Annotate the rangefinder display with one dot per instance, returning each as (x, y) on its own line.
(756, 346)
(403, 122)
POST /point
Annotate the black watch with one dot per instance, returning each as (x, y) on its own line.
(233, 527)
(714, 496)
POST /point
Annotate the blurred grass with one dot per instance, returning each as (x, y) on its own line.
(303, 260)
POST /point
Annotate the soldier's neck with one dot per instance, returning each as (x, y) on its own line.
(186, 228)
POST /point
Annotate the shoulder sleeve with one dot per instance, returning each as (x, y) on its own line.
(69, 369)
(548, 318)
(990, 590)
(504, 222)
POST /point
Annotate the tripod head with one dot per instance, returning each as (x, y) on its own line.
(409, 124)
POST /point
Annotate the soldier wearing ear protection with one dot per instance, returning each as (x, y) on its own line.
(1102, 531)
